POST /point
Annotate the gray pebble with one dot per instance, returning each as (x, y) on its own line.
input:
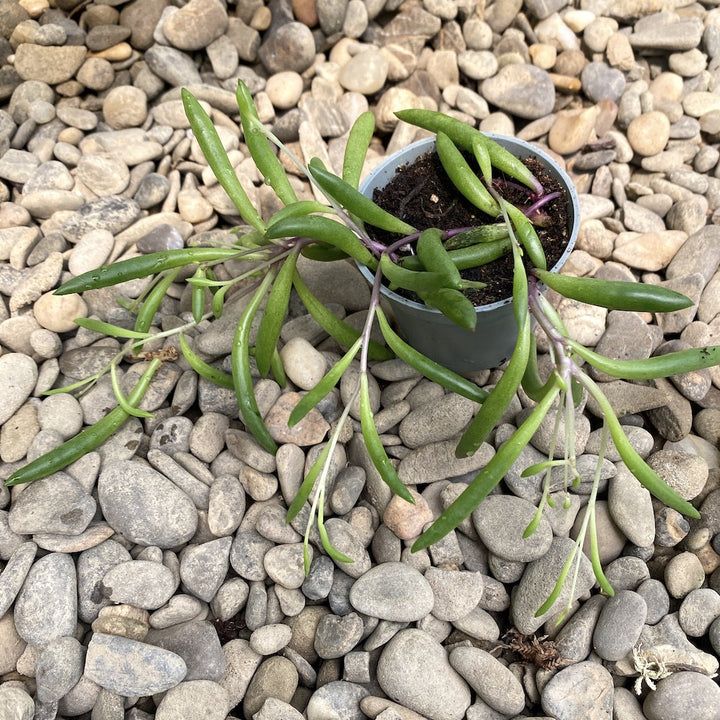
(58, 669)
(392, 591)
(140, 583)
(699, 609)
(128, 667)
(46, 606)
(145, 506)
(92, 565)
(203, 567)
(14, 574)
(619, 625)
(276, 677)
(197, 643)
(338, 699)
(575, 639)
(414, 671)
(319, 580)
(456, 592)
(579, 692)
(337, 635)
(680, 691)
(247, 553)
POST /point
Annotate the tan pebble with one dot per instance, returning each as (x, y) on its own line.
(406, 520)
(124, 620)
(620, 53)
(667, 87)
(311, 430)
(116, 53)
(648, 134)
(566, 83)
(572, 130)
(58, 312)
(125, 107)
(193, 207)
(284, 89)
(543, 55)
(34, 8)
(394, 99)
(651, 251)
(261, 19)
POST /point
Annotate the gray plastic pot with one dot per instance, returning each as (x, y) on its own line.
(427, 329)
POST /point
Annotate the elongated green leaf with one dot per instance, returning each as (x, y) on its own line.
(298, 209)
(453, 305)
(110, 330)
(463, 176)
(317, 393)
(242, 377)
(274, 315)
(120, 397)
(616, 294)
(326, 230)
(355, 202)
(345, 334)
(528, 237)
(435, 257)
(429, 368)
(87, 440)
(330, 549)
(260, 150)
(142, 266)
(489, 476)
(673, 363)
(212, 147)
(357, 146)
(637, 466)
(202, 368)
(467, 257)
(375, 447)
(496, 404)
(419, 281)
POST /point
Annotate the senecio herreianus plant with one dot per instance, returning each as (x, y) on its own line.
(429, 264)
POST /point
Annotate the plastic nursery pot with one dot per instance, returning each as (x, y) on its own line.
(427, 329)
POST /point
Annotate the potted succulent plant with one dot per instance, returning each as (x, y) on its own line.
(416, 260)
(492, 340)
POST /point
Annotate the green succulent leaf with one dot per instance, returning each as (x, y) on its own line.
(453, 305)
(355, 202)
(615, 294)
(203, 369)
(419, 281)
(214, 152)
(111, 330)
(357, 146)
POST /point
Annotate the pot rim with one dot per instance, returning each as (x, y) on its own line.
(424, 145)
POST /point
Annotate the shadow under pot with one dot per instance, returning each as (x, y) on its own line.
(427, 329)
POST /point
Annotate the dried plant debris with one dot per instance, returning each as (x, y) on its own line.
(533, 649)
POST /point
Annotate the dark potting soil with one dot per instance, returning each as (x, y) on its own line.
(422, 195)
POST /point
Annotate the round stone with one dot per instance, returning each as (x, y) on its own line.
(125, 106)
(284, 89)
(58, 312)
(680, 691)
(649, 133)
(393, 591)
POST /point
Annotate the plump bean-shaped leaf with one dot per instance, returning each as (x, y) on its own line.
(242, 378)
(520, 288)
(527, 236)
(467, 257)
(464, 177)
(274, 314)
(466, 137)
(453, 305)
(326, 230)
(197, 296)
(496, 404)
(673, 363)
(375, 447)
(489, 476)
(419, 281)
(435, 258)
(203, 369)
(355, 202)
(345, 334)
(429, 368)
(85, 441)
(480, 151)
(480, 234)
(214, 152)
(110, 330)
(637, 466)
(615, 294)
(357, 146)
(142, 266)
(260, 149)
(329, 381)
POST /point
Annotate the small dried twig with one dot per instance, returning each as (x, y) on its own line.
(533, 649)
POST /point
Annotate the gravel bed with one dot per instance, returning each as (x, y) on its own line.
(156, 577)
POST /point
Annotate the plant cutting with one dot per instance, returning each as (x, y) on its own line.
(436, 266)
